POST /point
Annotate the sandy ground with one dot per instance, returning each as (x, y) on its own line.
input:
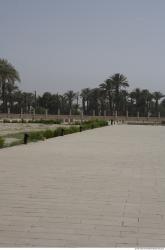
(100, 188)
(12, 128)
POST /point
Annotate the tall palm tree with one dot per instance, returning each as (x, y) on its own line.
(135, 96)
(8, 74)
(10, 95)
(157, 96)
(94, 102)
(118, 81)
(123, 105)
(146, 99)
(70, 96)
(108, 87)
(62, 104)
(85, 99)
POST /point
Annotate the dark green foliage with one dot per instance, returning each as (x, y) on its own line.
(94, 124)
(23, 121)
(57, 132)
(46, 121)
(48, 134)
(71, 130)
(36, 136)
(15, 121)
(110, 96)
(1, 142)
(6, 121)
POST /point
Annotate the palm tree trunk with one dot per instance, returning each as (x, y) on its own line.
(156, 106)
(110, 103)
(4, 109)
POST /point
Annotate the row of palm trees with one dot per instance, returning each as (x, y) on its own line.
(110, 97)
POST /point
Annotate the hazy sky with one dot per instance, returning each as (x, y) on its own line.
(58, 45)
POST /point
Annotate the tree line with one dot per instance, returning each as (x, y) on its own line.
(110, 97)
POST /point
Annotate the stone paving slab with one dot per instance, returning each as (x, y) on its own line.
(99, 188)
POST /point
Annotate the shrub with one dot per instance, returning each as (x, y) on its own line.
(76, 123)
(6, 121)
(74, 129)
(57, 131)
(23, 121)
(1, 142)
(48, 134)
(35, 136)
(14, 121)
(93, 124)
(46, 121)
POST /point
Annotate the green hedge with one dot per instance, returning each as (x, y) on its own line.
(36, 136)
(46, 121)
(94, 124)
(46, 134)
(1, 142)
(40, 135)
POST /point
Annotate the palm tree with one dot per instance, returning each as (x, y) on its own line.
(157, 96)
(135, 96)
(118, 82)
(108, 87)
(146, 99)
(123, 101)
(29, 100)
(85, 99)
(94, 102)
(70, 96)
(8, 74)
(10, 95)
(62, 104)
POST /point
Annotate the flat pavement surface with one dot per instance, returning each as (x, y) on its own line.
(100, 188)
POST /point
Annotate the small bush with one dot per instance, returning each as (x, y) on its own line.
(58, 131)
(1, 142)
(48, 134)
(94, 124)
(72, 130)
(46, 121)
(6, 121)
(23, 121)
(14, 121)
(36, 136)
(76, 123)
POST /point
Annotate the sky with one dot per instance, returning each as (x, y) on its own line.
(58, 45)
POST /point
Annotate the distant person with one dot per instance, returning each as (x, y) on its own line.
(26, 136)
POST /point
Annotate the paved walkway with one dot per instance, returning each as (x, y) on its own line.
(99, 188)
